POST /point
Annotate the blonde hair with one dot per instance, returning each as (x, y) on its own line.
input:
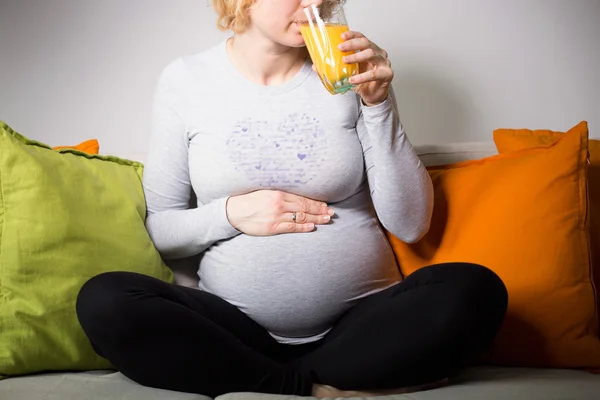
(234, 15)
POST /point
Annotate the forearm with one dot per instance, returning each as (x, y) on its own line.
(400, 185)
(184, 233)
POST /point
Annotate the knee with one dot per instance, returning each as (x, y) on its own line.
(483, 289)
(487, 280)
(100, 301)
(477, 274)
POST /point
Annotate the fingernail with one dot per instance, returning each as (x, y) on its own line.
(326, 218)
(330, 212)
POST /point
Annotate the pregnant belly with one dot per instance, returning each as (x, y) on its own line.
(297, 285)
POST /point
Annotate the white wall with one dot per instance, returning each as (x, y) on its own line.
(76, 69)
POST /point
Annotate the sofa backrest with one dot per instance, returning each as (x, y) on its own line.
(439, 154)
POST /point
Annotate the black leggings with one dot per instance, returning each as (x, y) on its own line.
(421, 330)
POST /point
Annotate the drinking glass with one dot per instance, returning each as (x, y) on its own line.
(322, 32)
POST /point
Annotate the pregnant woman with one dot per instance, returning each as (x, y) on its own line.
(299, 290)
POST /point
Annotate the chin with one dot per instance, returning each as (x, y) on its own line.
(297, 44)
(293, 39)
(291, 42)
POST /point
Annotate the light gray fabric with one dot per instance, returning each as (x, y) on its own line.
(482, 383)
(222, 135)
(492, 384)
(96, 385)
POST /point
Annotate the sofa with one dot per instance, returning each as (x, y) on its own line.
(487, 382)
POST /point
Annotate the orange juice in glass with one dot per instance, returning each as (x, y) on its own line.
(322, 35)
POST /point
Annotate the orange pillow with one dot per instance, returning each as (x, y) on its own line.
(89, 146)
(516, 139)
(523, 215)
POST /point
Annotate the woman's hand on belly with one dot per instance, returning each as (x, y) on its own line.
(297, 285)
(271, 212)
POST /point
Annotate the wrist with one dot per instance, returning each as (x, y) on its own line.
(229, 212)
(373, 103)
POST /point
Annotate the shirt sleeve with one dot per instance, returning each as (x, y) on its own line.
(176, 229)
(400, 186)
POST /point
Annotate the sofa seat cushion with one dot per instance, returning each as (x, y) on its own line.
(93, 385)
(492, 383)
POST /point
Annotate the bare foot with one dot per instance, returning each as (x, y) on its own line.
(403, 390)
(325, 391)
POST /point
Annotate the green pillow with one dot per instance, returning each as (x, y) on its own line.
(64, 217)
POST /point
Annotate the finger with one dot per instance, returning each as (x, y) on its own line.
(304, 218)
(356, 44)
(376, 74)
(290, 227)
(294, 203)
(352, 35)
(368, 55)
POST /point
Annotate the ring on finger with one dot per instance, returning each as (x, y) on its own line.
(294, 216)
